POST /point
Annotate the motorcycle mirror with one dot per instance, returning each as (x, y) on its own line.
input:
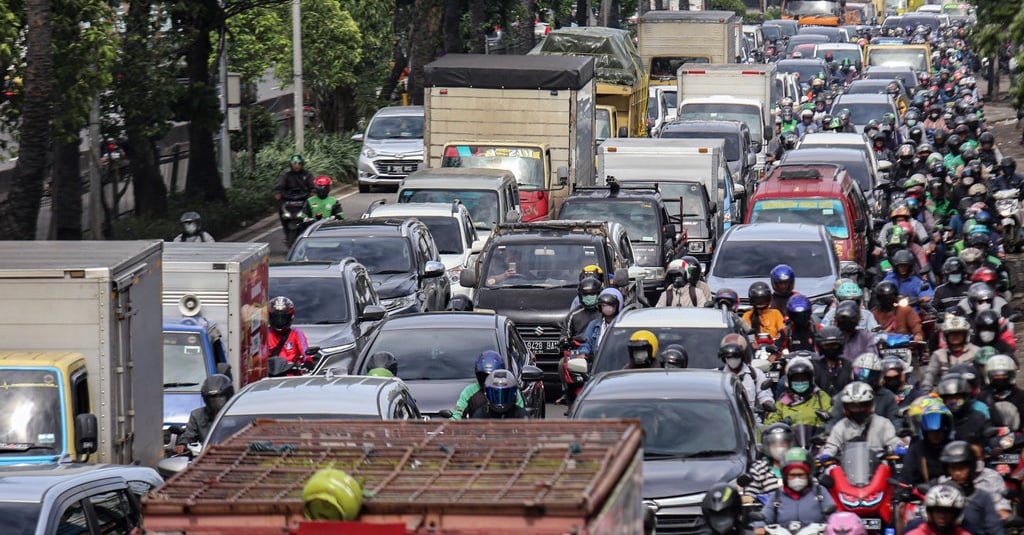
(312, 350)
(922, 488)
(278, 367)
(578, 365)
(171, 466)
(768, 406)
(444, 413)
(755, 516)
(768, 385)
(580, 338)
(828, 509)
(827, 482)
(744, 480)
(823, 415)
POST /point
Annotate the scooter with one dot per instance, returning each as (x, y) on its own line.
(1007, 203)
(293, 219)
(859, 483)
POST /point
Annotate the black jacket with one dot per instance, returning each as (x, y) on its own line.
(832, 380)
(485, 413)
(293, 186)
(921, 464)
(199, 422)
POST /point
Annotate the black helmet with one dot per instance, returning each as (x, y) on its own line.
(978, 240)
(733, 345)
(759, 294)
(886, 292)
(800, 365)
(296, 159)
(608, 298)
(847, 315)
(1008, 165)
(953, 142)
(779, 433)
(954, 391)
(986, 137)
(959, 452)
(728, 297)
(588, 289)
(903, 257)
(987, 320)
(952, 265)
(190, 223)
(829, 337)
(722, 509)
(216, 391)
(385, 360)
(675, 356)
(282, 312)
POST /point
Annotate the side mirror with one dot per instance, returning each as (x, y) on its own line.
(477, 246)
(713, 207)
(884, 165)
(468, 278)
(826, 481)
(738, 191)
(513, 216)
(823, 415)
(433, 269)
(224, 368)
(577, 365)
(357, 137)
(86, 434)
(444, 413)
(882, 184)
(312, 350)
(752, 158)
(171, 466)
(669, 231)
(860, 225)
(744, 479)
(623, 131)
(563, 176)
(531, 374)
(373, 313)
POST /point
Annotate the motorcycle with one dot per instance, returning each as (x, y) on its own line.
(859, 483)
(577, 374)
(796, 528)
(903, 347)
(292, 219)
(1007, 203)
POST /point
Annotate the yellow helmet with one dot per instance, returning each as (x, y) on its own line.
(593, 271)
(643, 347)
(331, 494)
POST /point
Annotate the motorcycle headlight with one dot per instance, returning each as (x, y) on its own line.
(369, 152)
(399, 302)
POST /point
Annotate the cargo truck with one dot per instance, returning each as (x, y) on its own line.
(621, 76)
(532, 115)
(466, 477)
(670, 39)
(746, 93)
(214, 310)
(80, 355)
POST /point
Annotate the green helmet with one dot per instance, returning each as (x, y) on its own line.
(983, 354)
(380, 372)
(331, 495)
(849, 290)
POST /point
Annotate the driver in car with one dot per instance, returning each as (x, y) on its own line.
(504, 266)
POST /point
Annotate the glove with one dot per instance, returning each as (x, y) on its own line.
(900, 450)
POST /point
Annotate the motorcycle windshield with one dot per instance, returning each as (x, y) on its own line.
(803, 435)
(895, 340)
(856, 463)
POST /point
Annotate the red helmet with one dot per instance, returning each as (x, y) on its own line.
(985, 274)
(322, 180)
(282, 312)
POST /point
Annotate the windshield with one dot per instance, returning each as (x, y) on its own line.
(400, 127)
(541, 265)
(602, 124)
(30, 412)
(673, 427)
(20, 518)
(185, 361)
(482, 205)
(856, 166)
(839, 54)
(899, 56)
(318, 300)
(755, 259)
(751, 115)
(664, 68)
(828, 212)
(640, 217)
(771, 32)
(527, 163)
(732, 141)
(229, 425)
(806, 71)
(446, 233)
(860, 114)
(810, 7)
(613, 355)
(380, 256)
(434, 353)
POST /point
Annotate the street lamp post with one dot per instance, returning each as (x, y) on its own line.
(299, 113)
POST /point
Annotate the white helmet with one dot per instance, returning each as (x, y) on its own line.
(868, 361)
(857, 392)
(1001, 364)
(944, 496)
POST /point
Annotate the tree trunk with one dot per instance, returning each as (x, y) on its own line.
(399, 63)
(613, 15)
(19, 218)
(147, 182)
(203, 180)
(523, 32)
(582, 12)
(66, 191)
(452, 26)
(424, 43)
(478, 21)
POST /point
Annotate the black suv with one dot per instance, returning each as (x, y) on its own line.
(529, 272)
(335, 305)
(399, 254)
(651, 228)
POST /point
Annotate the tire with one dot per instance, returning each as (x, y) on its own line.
(364, 188)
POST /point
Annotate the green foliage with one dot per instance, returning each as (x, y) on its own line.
(83, 40)
(257, 40)
(331, 46)
(375, 19)
(754, 18)
(730, 5)
(263, 129)
(772, 13)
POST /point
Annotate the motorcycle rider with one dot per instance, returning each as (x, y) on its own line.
(762, 318)
(858, 404)
(1001, 372)
(857, 341)
(831, 371)
(933, 424)
(991, 330)
(969, 424)
(682, 290)
(722, 510)
(295, 184)
(806, 124)
(609, 303)
(675, 356)
(985, 507)
(848, 290)
(643, 350)
(216, 390)
(192, 229)
(1007, 178)
(800, 499)
(734, 351)
(892, 316)
(956, 333)
(383, 360)
(867, 368)
(322, 205)
(766, 472)
(943, 504)
(909, 285)
(283, 340)
(980, 297)
(894, 379)
(800, 328)
(783, 281)
(576, 322)
(501, 388)
(472, 397)
(801, 398)
(905, 164)
(949, 294)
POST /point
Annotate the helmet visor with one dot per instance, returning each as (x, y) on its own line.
(500, 397)
(216, 403)
(280, 320)
(931, 421)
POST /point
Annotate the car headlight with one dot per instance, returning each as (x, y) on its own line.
(369, 152)
(696, 246)
(679, 501)
(338, 349)
(399, 302)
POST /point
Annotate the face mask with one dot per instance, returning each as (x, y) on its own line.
(607, 310)
(678, 282)
(589, 300)
(983, 306)
(639, 356)
(986, 336)
(797, 483)
(1000, 384)
(734, 363)
(778, 452)
(893, 384)
(956, 278)
(800, 386)
(191, 228)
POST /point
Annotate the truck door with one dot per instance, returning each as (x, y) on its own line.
(119, 373)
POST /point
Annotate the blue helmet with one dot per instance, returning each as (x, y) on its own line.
(783, 279)
(798, 308)
(983, 218)
(487, 362)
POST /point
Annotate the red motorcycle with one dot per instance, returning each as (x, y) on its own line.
(859, 483)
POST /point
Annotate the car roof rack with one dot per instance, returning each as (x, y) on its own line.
(580, 227)
(614, 186)
(801, 171)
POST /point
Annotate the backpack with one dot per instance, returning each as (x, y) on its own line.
(777, 498)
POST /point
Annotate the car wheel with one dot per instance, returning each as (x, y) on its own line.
(364, 188)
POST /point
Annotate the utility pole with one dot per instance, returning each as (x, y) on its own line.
(95, 181)
(225, 136)
(298, 105)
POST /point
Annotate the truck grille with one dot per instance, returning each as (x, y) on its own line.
(396, 167)
(680, 525)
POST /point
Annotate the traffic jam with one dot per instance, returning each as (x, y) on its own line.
(696, 276)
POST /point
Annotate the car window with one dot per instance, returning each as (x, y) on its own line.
(80, 392)
(73, 520)
(753, 259)
(114, 512)
(639, 216)
(380, 255)
(364, 290)
(541, 265)
(812, 211)
(434, 353)
(677, 427)
(318, 300)
(398, 127)
(184, 361)
(446, 233)
(613, 354)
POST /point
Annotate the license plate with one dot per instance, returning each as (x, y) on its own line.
(408, 168)
(1006, 458)
(543, 346)
(772, 375)
(872, 523)
(896, 352)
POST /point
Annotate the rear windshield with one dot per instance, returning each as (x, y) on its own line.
(482, 205)
(805, 70)
(902, 56)
(754, 259)
(861, 114)
(613, 355)
(318, 300)
(434, 353)
(828, 212)
(640, 217)
(446, 233)
(380, 256)
(749, 115)
(732, 142)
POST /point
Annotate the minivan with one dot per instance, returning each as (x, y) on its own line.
(392, 146)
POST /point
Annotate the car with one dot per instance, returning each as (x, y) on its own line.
(865, 107)
(748, 253)
(546, 259)
(451, 227)
(74, 498)
(772, 34)
(892, 72)
(661, 107)
(645, 215)
(399, 254)
(915, 56)
(880, 86)
(806, 69)
(335, 305)
(860, 143)
(834, 34)
(861, 167)
(193, 350)
(789, 27)
(803, 40)
(698, 431)
(741, 147)
(392, 146)
(437, 352)
(314, 397)
(490, 195)
(699, 330)
(841, 51)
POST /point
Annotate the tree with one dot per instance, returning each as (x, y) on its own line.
(18, 221)
(424, 43)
